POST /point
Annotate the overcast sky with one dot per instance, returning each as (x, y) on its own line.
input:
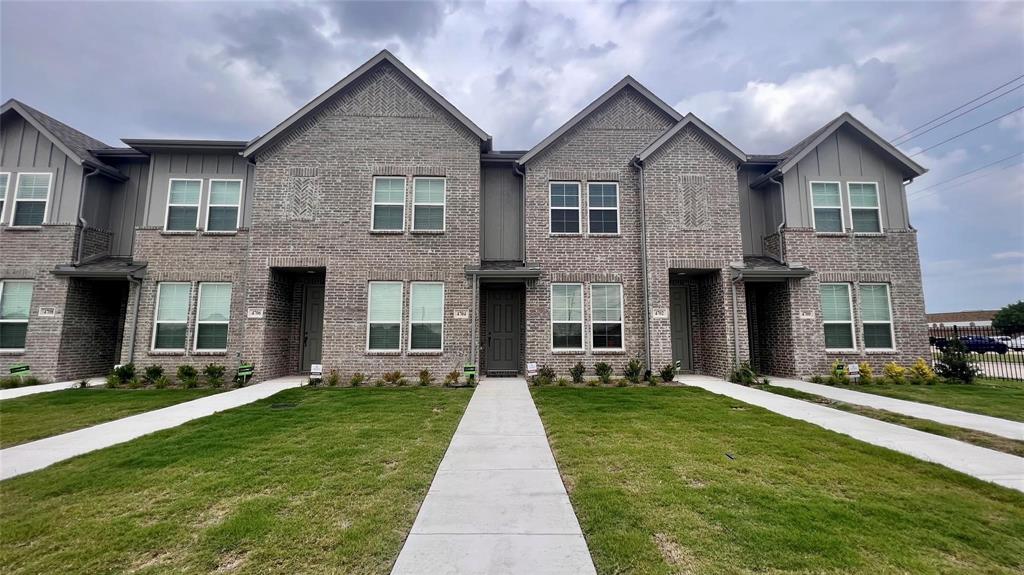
(764, 75)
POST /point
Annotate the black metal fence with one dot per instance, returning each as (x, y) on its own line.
(996, 355)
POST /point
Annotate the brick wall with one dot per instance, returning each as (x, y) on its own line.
(92, 316)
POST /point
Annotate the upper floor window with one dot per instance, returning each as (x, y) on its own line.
(384, 316)
(388, 204)
(426, 316)
(213, 315)
(567, 317)
(224, 210)
(603, 205)
(865, 211)
(183, 205)
(31, 199)
(606, 316)
(15, 303)
(171, 321)
(827, 206)
(428, 204)
(837, 316)
(565, 207)
(5, 180)
(876, 316)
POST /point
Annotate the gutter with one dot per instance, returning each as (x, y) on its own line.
(638, 164)
(81, 219)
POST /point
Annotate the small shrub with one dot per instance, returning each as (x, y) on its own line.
(161, 382)
(577, 371)
(82, 384)
(867, 375)
(634, 370)
(332, 379)
(187, 376)
(452, 379)
(214, 373)
(743, 374)
(838, 376)
(9, 382)
(394, 378)
(921, 372)
(954, 363)
(603, 371)
(817, 379)
(651, 380)
(894, 373)
(668, 373)
(126, 372)
(545, 376)
(425, 377)
(135, 383)
(113, 380)
(357, 379)
(562, 382)
(152, 373)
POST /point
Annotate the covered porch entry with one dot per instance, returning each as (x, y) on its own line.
(501, 293)
(295, 317)
(768, 287)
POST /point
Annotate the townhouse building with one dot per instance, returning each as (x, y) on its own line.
(376, 230)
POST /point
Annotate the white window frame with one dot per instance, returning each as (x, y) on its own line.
(878, 197)
(199, 303)
(6, 197)
(552, 321)
(891, 322)
(444, 201)
(374, 203)
(412, 288)
(49, 193)
(853, 318)
(198, 206)
(156, 314)
(369, 291)
(210, 204)
(25, 321)
(621, 322)
(842, 206)
(579, 208)
(617, 208)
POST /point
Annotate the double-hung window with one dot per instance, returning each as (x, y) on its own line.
(31, 197)
(827, 206)
(603, 205)
(865, 211)
(222, 213)
(5, 180)
(171, 321)
(837, 316)
(213, 315)
(15, 303)
(876, 316)
(183, 205)
(565, 207)
(388, 204)
(567, 317)
(426, 316)
(606, 316)
(428, 204)
(384, 316)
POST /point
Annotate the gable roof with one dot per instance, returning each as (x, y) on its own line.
(627, 82)
(77, 145)
(691, 120)
(383, 56)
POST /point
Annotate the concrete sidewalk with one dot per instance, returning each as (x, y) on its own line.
(45, 452)
(497, 505)
(46, 387)
(994, 466)
(985, 423)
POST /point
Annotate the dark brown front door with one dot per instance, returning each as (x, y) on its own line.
(504, 307)
(312, 325)
(679, 304)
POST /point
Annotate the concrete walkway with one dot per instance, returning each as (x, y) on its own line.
(45, 452)
(994, 466)
(985, 423)
(59, 386)
(497, 505)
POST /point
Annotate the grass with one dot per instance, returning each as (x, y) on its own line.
(979, 438)
(46, 414)
(309, 480)
(668, 480)
(996, 397)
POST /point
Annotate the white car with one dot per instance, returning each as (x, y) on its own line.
(1015, 343)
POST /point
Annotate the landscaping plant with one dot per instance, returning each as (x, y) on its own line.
(668, 373)
(188, 377)
(357, 379)
(894, 373)
(577, 371)
(603, 371)
(126, 372)
(743, 374)
(135, 383)
(82, 384)
(214, 373)
(545, 375)
(562, 382)
(425, 377)
(921, 372)
(867, 375)
(152, 373)
(332, 379)
(161, 382)
(634, 370)
(113, 380)
(394, 378)
(452, 379)
(838, 374)
(954, 363)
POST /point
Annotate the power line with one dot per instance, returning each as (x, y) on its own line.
(961, 114)
(965, 132)
(997, 88)
(918, 191)
(975, 179)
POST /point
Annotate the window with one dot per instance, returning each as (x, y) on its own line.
(565, 208)
(183, 205)
(30, 199)
(212, 317)
(171, 316)
(837, 316)
(876, 316)
(384, 316)
(603, 205)
(15, 303)
(5, 179)
(567, 316)
(222, 215)
(606, 316)
(388, 204)
(827, 205)
(428, 204)
(865, 212)
(426, 316)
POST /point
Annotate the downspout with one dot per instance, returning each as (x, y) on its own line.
(782, 224)
(518, 170)
(81, 218)
(137, 282)
(643, 265)
(735, 325)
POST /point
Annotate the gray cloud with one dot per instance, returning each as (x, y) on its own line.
(410, 21)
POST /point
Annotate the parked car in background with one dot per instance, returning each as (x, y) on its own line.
(1016, 343)
(983, 344)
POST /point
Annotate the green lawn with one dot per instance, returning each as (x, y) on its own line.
(43, 415)
(309, 480)
(669, 480)
(995, 397)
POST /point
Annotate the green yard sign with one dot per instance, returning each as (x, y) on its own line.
(244, 373)
(21, 370)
